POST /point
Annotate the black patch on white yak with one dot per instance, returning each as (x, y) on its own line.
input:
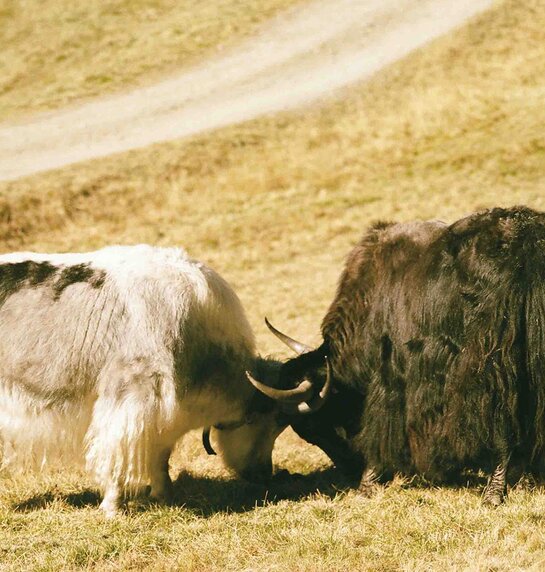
(15, 276)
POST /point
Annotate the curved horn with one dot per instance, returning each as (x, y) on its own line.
(318, 400)
(300, 399)
(206, 441)
(297, 347)
(293, 396)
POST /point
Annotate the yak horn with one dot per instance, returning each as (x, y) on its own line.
(293, 396)
(318, 400)
(297, 347)
(206, 441)
(299, 399)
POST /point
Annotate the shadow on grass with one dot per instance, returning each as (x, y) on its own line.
(206, 496)
(82, 499)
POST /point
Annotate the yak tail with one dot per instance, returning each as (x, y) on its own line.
(534, 317)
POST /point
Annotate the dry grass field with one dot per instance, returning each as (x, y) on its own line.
(58, 51)
(274, 205)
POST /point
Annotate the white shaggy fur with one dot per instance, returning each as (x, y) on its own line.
(123, 367)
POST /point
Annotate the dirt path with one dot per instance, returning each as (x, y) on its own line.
(298, 58)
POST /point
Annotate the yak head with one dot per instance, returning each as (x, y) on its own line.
(319, 410)
(282, 395)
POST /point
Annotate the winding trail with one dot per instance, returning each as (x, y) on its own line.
(296, 59)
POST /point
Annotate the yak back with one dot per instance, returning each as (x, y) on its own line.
(440, 330)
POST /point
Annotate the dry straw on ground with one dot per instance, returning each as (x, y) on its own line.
(59, 51)
(274, 205)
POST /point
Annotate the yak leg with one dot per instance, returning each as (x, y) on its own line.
(369, 483)
(496, 489)
(161, 483)
(125, 431)
(111, 502)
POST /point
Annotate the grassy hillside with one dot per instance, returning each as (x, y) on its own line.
(274, 205)
(55, 51)
(457, 126)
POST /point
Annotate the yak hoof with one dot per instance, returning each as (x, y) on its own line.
(493, 498)
(109, 510)
(369, 490)
(369, 485)
(111, 503)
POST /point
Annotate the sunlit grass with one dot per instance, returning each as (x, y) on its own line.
(274, 205)
(310, 522)
(56, 51)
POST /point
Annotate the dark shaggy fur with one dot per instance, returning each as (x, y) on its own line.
(436, 339)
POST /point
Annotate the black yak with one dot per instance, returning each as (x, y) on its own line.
(436, 345)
